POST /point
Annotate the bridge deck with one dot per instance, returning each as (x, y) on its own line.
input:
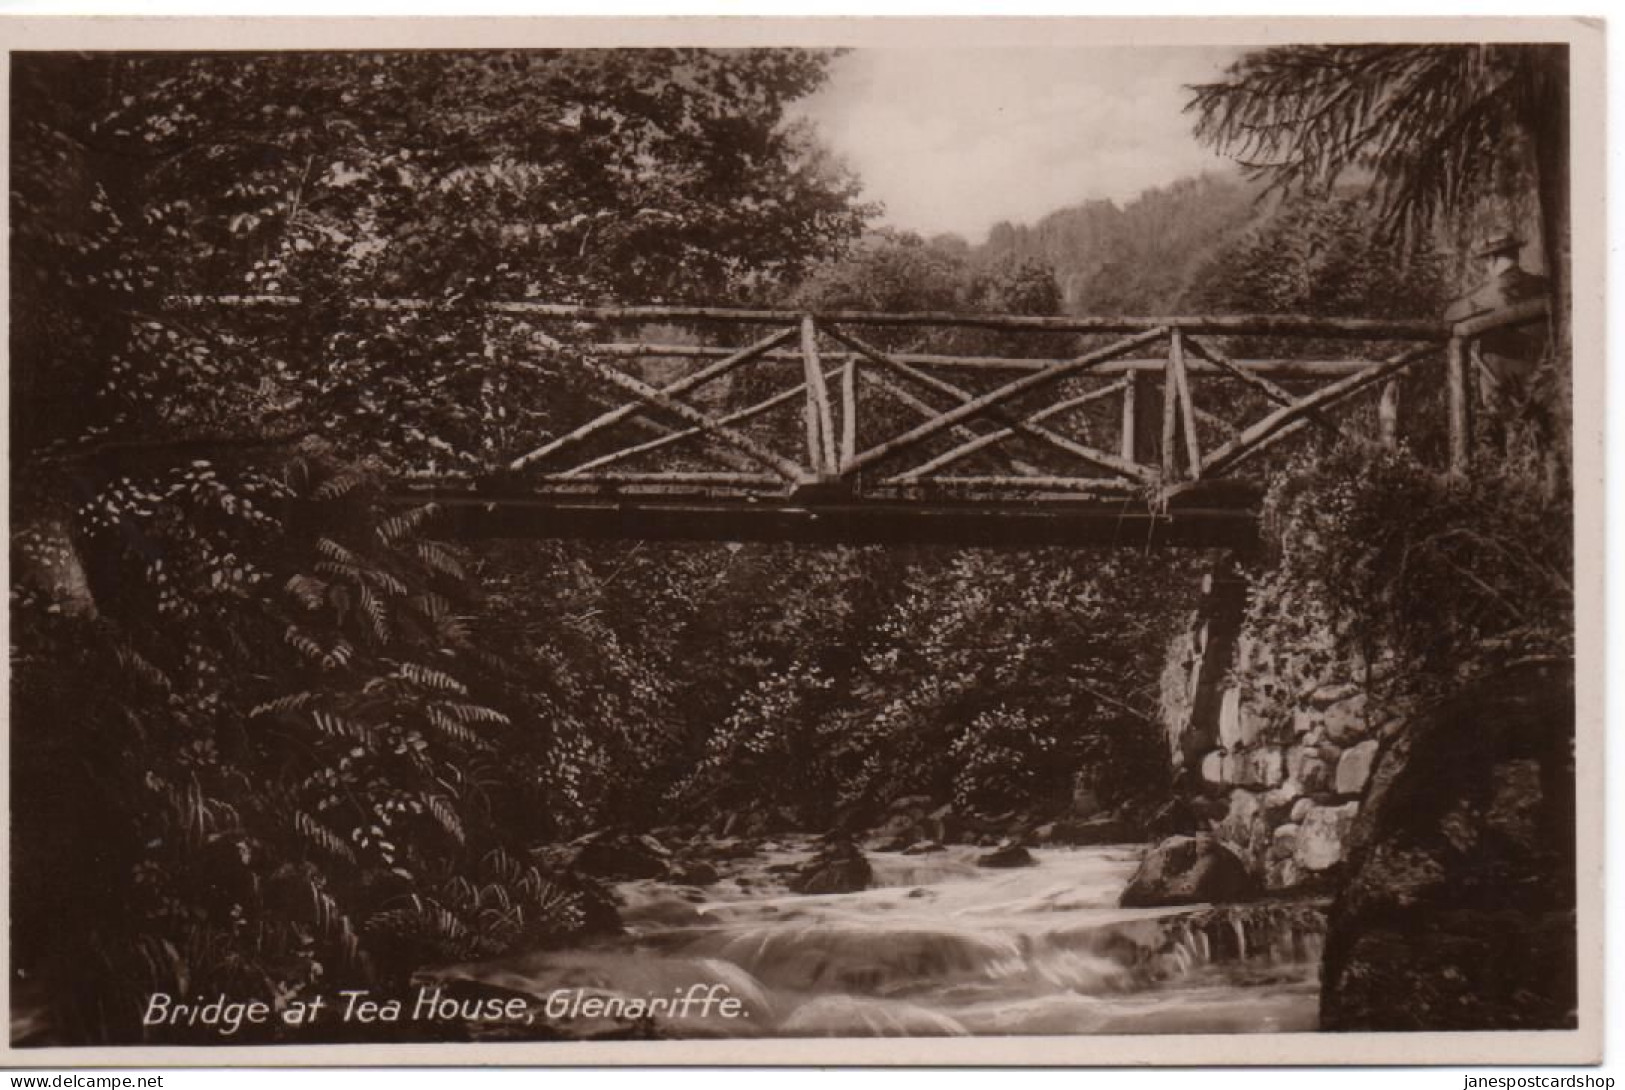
(1221, 514)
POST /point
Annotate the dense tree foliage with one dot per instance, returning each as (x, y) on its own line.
(274, 704)
(336, 179)
(900, 271)
(986, 679)
(1321, 257)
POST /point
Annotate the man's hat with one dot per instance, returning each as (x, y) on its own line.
(1504, 243)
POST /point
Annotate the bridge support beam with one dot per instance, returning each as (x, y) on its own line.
(820, 517)
(1459, 378)
(1213, 648)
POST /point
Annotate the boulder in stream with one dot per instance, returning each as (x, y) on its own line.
(1006, 856)
(839, 867)
(1185, 870)
(618, 856)
(1100, 829)
(1176, 817)
(908, 821)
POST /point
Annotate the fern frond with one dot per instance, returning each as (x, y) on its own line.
(323, 908)
(381, 685)
(338, 726)
(334, 551)
(290, 703)
(375, 616)
(425, 918)
(142, 669)
(340, 485)
(497, 892)
(398, 526)
(386, 582)
(338, 655)
(439, 558)
(474, 713)
(340, 569)
(451, 728)
(320, 835)
(328, 658)
(460, 891)
(499, 863)
(304, 644)
(444, 814)
(428, 677)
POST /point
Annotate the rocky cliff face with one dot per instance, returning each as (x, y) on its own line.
(1458, 911)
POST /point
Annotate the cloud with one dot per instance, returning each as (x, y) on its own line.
(959, 139)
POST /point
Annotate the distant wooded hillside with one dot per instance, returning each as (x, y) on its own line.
(1161, 252)
(1140, 257)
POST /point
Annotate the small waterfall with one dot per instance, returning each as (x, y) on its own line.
(1257, 936)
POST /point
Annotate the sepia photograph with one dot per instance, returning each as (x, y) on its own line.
(638, 545)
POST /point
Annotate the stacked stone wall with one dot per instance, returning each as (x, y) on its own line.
(1278, 764)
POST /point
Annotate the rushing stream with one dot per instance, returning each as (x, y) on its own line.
(938, 946)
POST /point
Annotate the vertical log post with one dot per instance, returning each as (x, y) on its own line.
(1187, 403)
(1388, 416)
(812, 430)
(1131, 396)
(1170, 420)
(1461, 423)
(820, 420)
(849, 410)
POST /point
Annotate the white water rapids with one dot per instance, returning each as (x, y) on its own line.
(940, 946)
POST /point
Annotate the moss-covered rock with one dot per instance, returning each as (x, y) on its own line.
(1186, 870)
(1458, 911)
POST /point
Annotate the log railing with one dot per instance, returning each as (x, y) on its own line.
(1134, 415)
(1157, 451)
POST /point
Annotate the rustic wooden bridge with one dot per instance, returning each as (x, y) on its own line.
(837, 427)
(814, 431)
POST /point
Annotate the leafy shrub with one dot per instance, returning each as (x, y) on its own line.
(1449, 576)
(1006, 761)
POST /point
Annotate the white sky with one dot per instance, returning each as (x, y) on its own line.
(959, 139)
